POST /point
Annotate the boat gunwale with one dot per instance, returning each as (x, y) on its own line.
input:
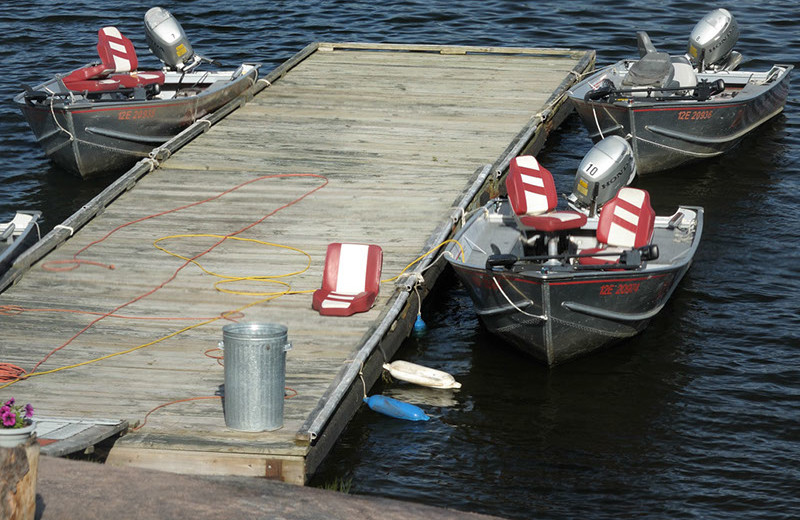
(83, 105)
(535, 275)
(643, 103)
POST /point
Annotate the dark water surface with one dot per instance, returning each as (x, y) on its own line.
(698, 417)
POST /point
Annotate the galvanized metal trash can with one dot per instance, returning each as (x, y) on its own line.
(255, 375)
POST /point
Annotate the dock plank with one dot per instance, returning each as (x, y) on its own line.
(395, 134)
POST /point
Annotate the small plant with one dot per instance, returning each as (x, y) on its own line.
(339, 484)
(15, 415)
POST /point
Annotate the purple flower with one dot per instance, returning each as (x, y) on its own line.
(9, 418)
(13, 415)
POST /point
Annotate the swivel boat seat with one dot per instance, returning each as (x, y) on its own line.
(626, 222)
(117, 52)
(533, 198)
(351, 279)
(658, 69)
(117, 68)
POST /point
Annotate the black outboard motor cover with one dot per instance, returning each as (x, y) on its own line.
(167, 41)
(712, 39)
(607, 167)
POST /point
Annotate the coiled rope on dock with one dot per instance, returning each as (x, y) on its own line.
(10, 374)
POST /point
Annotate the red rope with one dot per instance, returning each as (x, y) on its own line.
(75, 262)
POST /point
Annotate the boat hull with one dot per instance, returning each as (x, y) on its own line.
(559, 310)
(93, 138)
(665, 134)
(546, 319)
(21, 241)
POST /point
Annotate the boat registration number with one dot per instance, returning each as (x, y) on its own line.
(611, 289)
(694, 115)
(144, 113)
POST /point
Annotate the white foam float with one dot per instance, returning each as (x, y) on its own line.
(420, 375)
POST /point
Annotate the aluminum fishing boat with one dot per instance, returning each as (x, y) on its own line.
(104, 117)
(677, 109)
(17, 235)
(559, 284)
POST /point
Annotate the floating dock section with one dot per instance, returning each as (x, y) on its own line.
(367, 143)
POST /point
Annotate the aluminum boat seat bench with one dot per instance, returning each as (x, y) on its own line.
(627, 221)
(351, 280)
(533, 198)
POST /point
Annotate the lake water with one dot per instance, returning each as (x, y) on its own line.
(698, 417)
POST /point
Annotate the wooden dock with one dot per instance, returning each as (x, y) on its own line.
(383, 144)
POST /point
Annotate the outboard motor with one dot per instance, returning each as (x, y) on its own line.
(711, 42)
(607, 167)
(168, 42)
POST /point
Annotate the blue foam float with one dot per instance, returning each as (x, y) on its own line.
(395, 408)
(419, 326)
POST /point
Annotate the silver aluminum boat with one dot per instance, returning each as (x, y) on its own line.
(550, 283)
(677, 109)
(104, 117)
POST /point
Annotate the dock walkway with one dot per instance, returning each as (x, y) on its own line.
(370, 143)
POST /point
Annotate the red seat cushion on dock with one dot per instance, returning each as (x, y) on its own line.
(626, 221)
(351, 280)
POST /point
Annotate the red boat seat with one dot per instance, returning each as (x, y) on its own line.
(351, 279)
(93, 79)
(626, 222)
(532, 195)
(117, 68)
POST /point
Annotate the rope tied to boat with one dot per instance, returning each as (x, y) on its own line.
(458, 215)
(540, 317)
(55, 119)
(152, 163)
